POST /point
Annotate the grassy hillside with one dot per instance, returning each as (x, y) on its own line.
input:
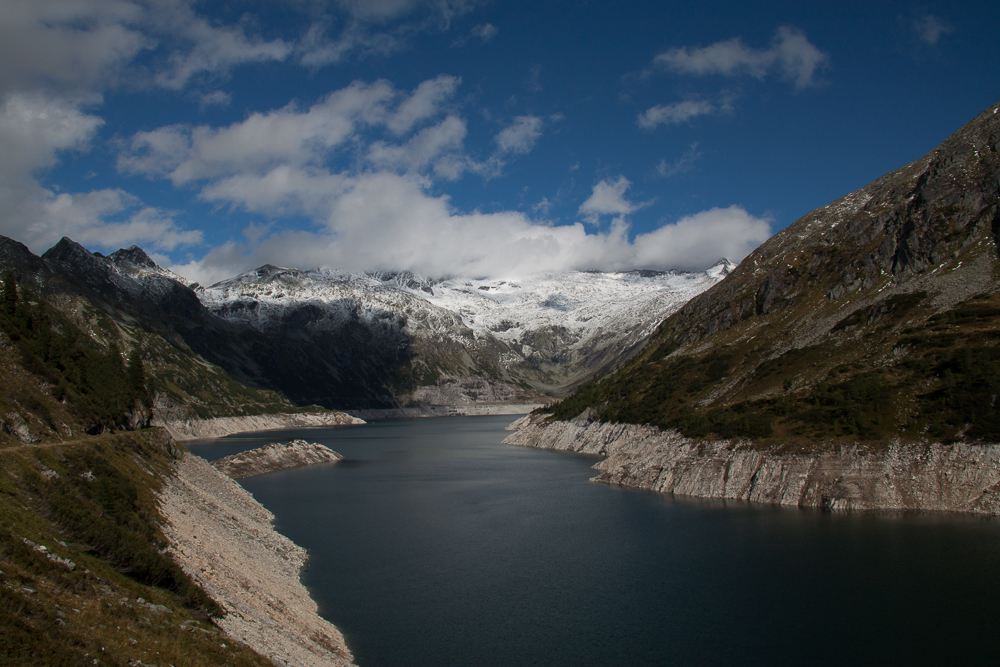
(82, 578)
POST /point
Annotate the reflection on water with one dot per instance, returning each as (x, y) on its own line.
(433, 544)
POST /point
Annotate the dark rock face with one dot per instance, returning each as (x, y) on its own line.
(134, 255)
(353, 366)
(901, 225)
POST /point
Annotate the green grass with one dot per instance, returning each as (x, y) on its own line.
(943, 382)
(93, 504)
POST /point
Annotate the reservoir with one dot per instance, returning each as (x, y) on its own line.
(434, 545)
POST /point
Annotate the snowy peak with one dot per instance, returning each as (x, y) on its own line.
(545, 331)
(722, 268)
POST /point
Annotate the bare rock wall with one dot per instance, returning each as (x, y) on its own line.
(932, 476)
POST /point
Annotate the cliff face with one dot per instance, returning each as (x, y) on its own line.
(958, 477)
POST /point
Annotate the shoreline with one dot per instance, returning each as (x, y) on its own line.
(926, 477)
(219, 427)
(470, 410)
(225, 540)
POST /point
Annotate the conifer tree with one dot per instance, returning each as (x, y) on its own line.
(136, 373)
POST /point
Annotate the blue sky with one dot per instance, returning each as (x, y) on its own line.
(463, 137)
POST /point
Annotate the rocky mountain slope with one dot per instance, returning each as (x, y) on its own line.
(459, 341)
(353, 341)
(872, 318)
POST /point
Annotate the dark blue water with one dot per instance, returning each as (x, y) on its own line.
(435, 545)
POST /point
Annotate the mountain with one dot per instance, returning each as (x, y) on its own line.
(463, 340)
(872, 318)
(352, 340)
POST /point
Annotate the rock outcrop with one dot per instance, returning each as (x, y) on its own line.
(225, 541)
(932, 476)
(194, 429)
(273, 457)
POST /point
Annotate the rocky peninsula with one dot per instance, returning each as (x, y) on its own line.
(931, 476)
(225, 541)
(273, 457)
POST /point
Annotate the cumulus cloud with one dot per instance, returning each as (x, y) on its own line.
(674, 114)
(69, 46)
(293, 136)
(212, 49)
(929, 29)
(791, 55)
(111, 218)
(520, 136)
(383, 220)
(608, 198)
(58, 56)
(438, 147)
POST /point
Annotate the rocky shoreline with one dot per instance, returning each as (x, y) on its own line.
(470, 410)
(273, 457)
(194, 429)
(224, 539)
(933, 476)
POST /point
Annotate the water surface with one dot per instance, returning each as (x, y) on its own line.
(433, 544)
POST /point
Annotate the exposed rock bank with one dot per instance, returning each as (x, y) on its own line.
(194, 429)
(223, 538)
(446, 411)
(959, 477)
(273, 457)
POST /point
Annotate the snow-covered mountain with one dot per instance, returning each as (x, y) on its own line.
(469, 339)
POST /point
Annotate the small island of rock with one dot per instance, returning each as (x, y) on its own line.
(276, 456)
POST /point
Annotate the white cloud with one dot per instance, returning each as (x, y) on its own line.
(608, 198)
(317, 49)
(485, 31)
(791, 55)
(520, 136)
(93, 219)
(425, 102)
(383, 220)
(212, 50)
(292, 136)
(57, 55)
(70, 46)
(683, 164)
(930, 28)
(438, 146)
(216, 98)
(34, 127)
(674, 114)
(723, 232)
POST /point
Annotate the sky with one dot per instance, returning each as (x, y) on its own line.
(465, 137)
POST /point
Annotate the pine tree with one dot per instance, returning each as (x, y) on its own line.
(137, 376)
